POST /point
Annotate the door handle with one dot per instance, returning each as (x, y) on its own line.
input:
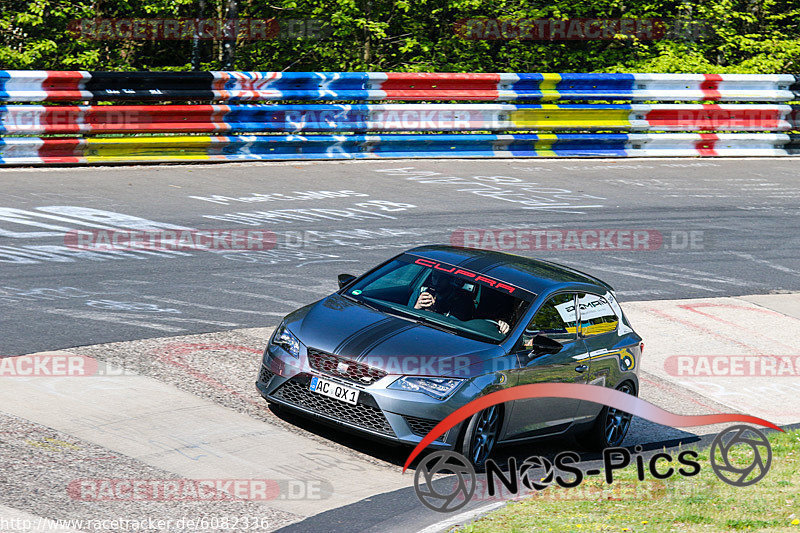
(581, 368)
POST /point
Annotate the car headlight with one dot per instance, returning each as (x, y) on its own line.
(286, 340)
(439, 388)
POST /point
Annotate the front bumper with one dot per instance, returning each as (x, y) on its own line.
(399, 416)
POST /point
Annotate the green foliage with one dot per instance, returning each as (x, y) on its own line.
(758, 36)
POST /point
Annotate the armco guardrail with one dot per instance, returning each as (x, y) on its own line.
(61, 86)
(31, 119)
(265, 147)
(281, 129)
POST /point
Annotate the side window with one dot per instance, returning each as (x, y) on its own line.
(555, 319)
(597, 316)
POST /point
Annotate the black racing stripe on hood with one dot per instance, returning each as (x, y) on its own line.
(375, 342)
(358, 346)
(355, 343)
(358, 332)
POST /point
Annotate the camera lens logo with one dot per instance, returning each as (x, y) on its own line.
(729, 470)
(456, 495)
(536, 473)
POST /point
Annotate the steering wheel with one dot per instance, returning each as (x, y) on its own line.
(497, 323)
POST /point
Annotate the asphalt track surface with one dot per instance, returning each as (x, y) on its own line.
(727, 229)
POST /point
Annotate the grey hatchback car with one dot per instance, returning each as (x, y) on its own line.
(397, 349)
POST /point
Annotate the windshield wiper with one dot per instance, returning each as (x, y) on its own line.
(435, 325)
(474, 335)
(362, 302)
(388, 310)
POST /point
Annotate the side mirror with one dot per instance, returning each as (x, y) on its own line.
(545, 346)
(344, 279)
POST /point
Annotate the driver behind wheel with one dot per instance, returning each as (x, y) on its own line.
(447, 295)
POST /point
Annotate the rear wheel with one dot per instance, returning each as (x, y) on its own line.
(481, 435)
(610, 426)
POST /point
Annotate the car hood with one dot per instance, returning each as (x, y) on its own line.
(352, 331)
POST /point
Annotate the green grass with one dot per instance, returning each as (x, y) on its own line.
(699, 503)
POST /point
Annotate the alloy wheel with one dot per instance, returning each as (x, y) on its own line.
(617, 422)
(485, 435)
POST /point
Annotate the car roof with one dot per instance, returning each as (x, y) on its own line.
(534, 275)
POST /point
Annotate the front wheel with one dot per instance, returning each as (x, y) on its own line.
(481, 435)
(610, 426)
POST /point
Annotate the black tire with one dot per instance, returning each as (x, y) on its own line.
(481, 434)
(610, 426)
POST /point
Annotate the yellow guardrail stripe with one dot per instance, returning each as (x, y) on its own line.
(548, 86)
(167, 148)
(544, 144)
(552, 116)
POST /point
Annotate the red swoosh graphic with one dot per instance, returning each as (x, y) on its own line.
(591, 393)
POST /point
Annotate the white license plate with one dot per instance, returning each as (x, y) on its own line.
(332, 389)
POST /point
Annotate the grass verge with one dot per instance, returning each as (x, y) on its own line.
(699, 503)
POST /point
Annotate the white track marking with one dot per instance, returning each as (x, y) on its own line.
(117, 318)
(765, 263)
(626, 272)
(316, 289)
(462, 518)
(653, 292)
(570, 207)
(138, 319)
(211, 307)
(316, 261)
(698, 275)
(275, 299)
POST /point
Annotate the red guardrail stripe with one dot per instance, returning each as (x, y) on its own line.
(712, 117)
(61, 150)
(706, 146)
(64, 84)
(432, 86)
(710, 86)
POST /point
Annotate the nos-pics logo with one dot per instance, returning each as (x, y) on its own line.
(537, 473)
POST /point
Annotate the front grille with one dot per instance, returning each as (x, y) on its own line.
(361, 415)
(420, 426)
(265, 375)
(356, 372)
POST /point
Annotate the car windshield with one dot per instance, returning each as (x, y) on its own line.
(442, 296)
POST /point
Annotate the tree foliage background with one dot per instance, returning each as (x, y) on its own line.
(749, 36)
